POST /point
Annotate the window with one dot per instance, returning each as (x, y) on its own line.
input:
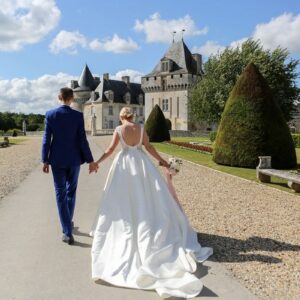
(110, 110)
(141, 99)
(152, 102)
(147, 78)
(180, 75)
(177, 107)
(110, 124)
(141, 112)
(109, 95)
(92, 110)
(172, 76)
(127, 98)
(134, 110)
(165, 104)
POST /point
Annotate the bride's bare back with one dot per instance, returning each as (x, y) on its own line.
(131, 133)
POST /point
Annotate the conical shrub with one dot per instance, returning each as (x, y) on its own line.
(252, 125)
(156, 126)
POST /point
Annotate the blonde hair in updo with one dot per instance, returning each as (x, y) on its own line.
(126, 113)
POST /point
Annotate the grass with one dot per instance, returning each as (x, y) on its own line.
(206, 160)
(201, 139)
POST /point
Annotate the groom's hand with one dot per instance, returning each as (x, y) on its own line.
(45, 168)
(93, 167)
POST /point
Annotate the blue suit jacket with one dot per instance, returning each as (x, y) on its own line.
(64, 141)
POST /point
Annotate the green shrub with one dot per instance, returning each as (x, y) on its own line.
(296, 139)
(252, 125)
(212, 136)
(156, 126)
(169, 124)
(14, 132)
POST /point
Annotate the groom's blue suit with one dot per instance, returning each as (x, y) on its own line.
(65, 148)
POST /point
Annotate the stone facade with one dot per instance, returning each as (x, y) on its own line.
(101, 101)
(169, 83)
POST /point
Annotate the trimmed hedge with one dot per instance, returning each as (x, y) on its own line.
(252, 125)
(212, 136)
(296, 139)
(156, 126)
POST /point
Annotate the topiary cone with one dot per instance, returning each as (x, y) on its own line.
(252, 125)
(156, 126)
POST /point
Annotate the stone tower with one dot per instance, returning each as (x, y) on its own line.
(169, 83)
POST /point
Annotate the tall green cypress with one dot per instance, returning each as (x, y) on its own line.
(156, 126)
(252, 125)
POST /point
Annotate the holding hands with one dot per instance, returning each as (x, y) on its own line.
(93, 167)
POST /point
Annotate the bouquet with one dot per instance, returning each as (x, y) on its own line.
(175, 164)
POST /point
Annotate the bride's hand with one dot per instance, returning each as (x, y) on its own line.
(164, 163)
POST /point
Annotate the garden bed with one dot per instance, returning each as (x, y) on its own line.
(192, 146)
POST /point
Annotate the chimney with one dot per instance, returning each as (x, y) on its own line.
(106, 76)
(198, 60)
(74, 84)
(126, 79)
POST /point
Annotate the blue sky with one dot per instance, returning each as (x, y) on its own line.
(45, 43)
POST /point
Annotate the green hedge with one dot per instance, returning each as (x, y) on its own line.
(296, 139)
(212, 136)
(13, 132)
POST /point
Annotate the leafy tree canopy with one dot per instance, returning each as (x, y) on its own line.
(221, 71)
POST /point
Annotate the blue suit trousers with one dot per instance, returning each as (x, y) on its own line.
(65, 183)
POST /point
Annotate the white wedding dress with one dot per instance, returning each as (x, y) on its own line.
(142, 239)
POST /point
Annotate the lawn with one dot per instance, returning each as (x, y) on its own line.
(206, 160)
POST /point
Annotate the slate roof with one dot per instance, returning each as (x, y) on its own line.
(120, 88)
(86, 81)
(183, 61)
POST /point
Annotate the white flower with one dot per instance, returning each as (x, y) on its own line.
(175, 164)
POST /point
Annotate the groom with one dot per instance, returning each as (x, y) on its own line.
(65, 148)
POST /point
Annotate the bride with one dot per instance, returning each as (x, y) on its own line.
(142, 239)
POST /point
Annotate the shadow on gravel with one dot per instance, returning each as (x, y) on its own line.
(228, 249)
(79, 233)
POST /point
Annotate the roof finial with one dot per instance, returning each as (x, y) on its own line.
(182, 32)
(174, 32)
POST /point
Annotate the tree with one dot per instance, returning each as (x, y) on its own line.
(252, 125)
(156, 126)
(221, 71)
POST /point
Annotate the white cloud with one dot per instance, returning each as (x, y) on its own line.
(39, 95)
(70, 41)
(209, 48)
(283, 31)
(238, 43)
(160, 30)
(67, 41)
(32, 96)
(115, 45)
(135, 76)
(25, 22)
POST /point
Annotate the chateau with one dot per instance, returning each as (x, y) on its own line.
(101, 101)
(169, 83)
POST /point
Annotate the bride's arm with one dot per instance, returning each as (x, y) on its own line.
(113, 144)
(152, 150)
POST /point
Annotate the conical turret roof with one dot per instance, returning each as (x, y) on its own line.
(86, 80)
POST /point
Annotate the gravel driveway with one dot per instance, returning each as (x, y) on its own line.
(254, 229)
(16, 162)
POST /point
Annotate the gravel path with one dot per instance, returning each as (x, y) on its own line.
(254, 229)
(16, 162)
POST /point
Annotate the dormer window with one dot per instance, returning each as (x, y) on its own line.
(127, 98)
(109, 95)
(141, 99)
(166, 65)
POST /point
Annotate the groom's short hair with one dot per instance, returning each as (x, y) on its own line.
(66, 93)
